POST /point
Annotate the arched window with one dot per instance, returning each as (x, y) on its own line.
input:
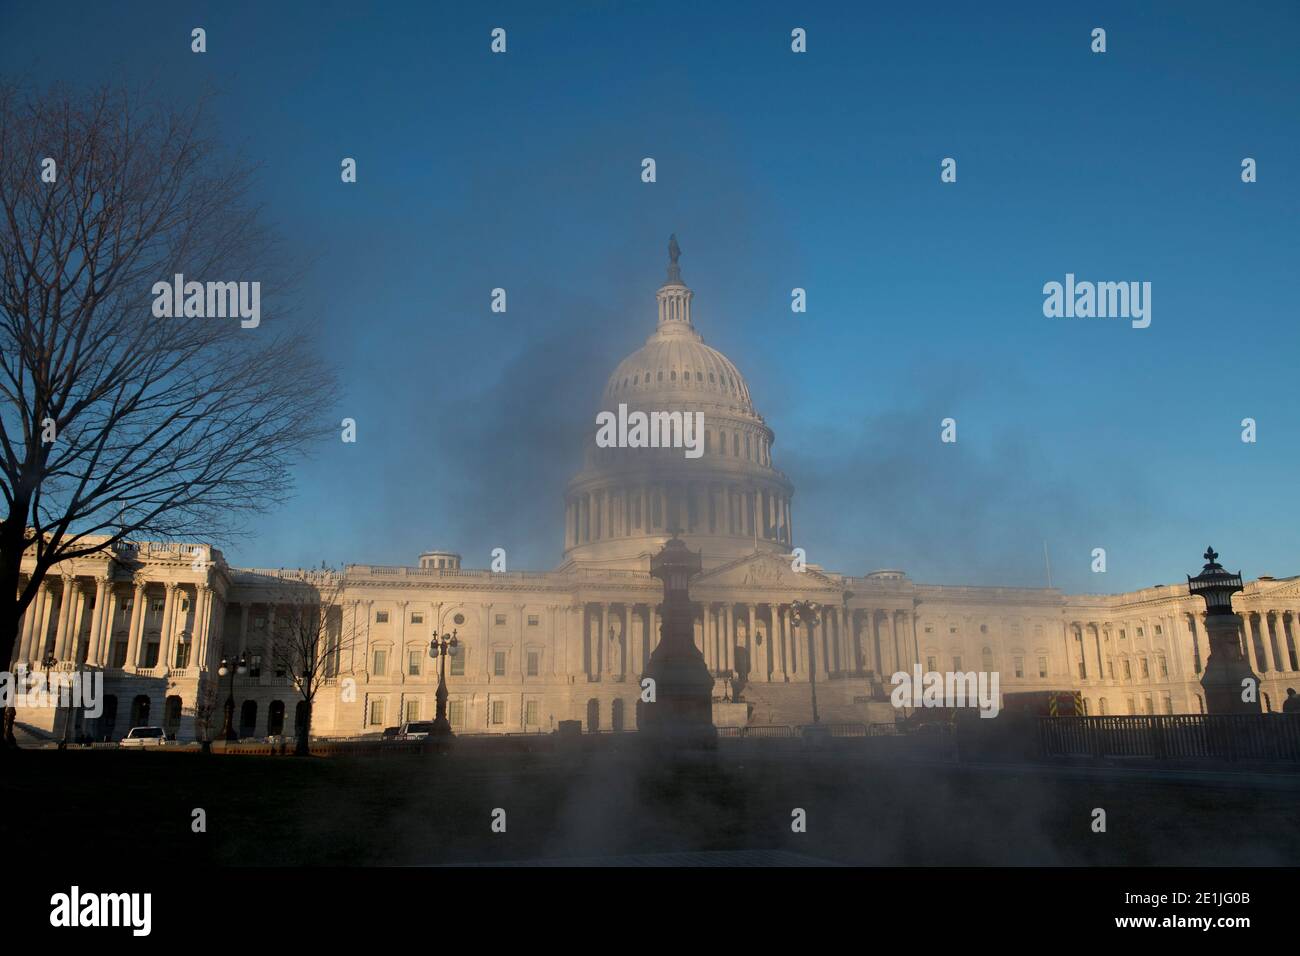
(248, 718)
(1101, 706)
(593, 716)
(172, 716)
(140, 711)
(275, 718)
(616, 715)
(986, 659)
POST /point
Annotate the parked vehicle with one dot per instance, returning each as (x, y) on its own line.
(144, 737)
(415, 730)
(390, 733)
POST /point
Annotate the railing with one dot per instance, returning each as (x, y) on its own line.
(1174, 737)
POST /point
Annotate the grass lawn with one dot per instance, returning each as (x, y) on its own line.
(423, 809)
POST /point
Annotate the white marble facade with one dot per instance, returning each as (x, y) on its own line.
(570, 643)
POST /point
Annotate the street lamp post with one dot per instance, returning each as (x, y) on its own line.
(230, 667)
(1231, 687)
(439, 647)
(806, 613)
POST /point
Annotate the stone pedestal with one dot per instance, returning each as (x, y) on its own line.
(681, 713)
(1227, 668)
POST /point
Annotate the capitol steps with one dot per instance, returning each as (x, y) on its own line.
(838, 701)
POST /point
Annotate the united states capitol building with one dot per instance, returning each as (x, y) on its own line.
(539, 647)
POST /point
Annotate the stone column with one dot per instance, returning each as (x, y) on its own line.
(65, 621)
(167, 637)
(822, 640)
(202, 620)
(32, 625)
(729, 638)
(779, 617)
(602, 642)
(95, 640)
(1266, 638)
(1249, 638)
(757, 665)
(244, 608)
(485, 615)
(139, 596)
(78, 618)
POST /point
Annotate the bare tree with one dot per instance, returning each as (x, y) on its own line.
(309, 638)
(113, 421)
(205, 707)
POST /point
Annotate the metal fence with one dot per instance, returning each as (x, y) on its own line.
(1174, 737)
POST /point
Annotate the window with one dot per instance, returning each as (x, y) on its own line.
(417, 617)
(1123, 634)
(986, 659)
(255, 665)
(956, 662)
(1042, 665)
(1163, 664)
(381, 617)
(952, 629)
(1101, 706)
(1159, 630)
(931, 664)
(1139, 632)
(1128, 669)
(1148, 705)
(499, 663)
(929, 629)
(259, 624)
(376, 712)
(458, 619)
(1019, 664)
(530, 713)
(1146, 668)
(984, 628)
(413, 709)
(413, 663)
(500, 619)
(458, 664)
(1110, 667)
(498, 712)
(156, 605)
(456, 712)
(1129, 702)
(533, 620)
(1169, 704)
(183, 650)
(534, 663)
(380, 663)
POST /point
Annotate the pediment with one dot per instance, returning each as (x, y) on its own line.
(765, 571)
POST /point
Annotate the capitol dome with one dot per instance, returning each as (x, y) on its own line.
(728, 501)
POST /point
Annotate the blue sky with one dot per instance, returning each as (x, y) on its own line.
(775, 170)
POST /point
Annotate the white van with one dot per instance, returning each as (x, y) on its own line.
(144, 737)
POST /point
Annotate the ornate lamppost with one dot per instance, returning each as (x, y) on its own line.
(229, 666)
(439, 647)
(680, 711)
(1227, 671)
(807, 614)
